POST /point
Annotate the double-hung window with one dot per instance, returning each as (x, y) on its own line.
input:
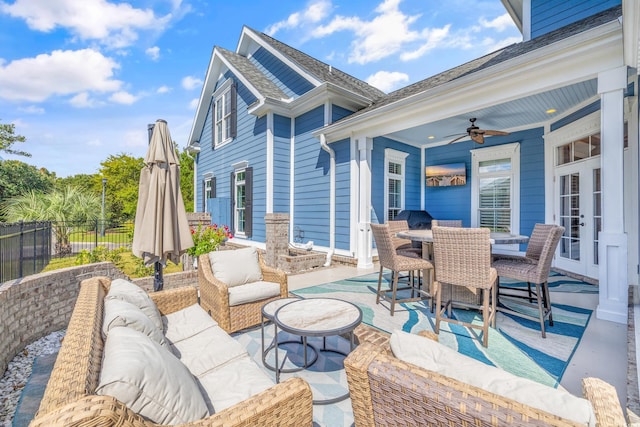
(495, 201)
(224, 113)
(394, 166)
(242, 199)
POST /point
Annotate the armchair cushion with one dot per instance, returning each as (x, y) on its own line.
(185, 323)
(237, 267)
(252, 292)
(149, 379)
(126, 291)
(122, 313)
(433, 356)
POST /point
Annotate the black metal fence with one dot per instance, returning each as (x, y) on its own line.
(27, 247)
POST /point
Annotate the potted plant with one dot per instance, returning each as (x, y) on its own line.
(207, 239)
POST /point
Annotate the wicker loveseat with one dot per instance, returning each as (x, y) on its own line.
(70, 398)
(388, 391)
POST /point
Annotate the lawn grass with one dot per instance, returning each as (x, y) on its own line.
(129, 264)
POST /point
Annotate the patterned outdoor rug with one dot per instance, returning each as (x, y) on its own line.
(516, 345)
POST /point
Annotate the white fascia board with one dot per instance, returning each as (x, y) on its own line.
(567, 61)
(631, 32)
(243, 44)
(514, 8)
(310, 100)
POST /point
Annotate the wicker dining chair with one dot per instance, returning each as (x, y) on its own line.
(403, 246)
(390, 259)
(463, 259)
(446, 223)
(532, 268)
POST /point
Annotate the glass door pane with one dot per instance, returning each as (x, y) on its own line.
(570, 216)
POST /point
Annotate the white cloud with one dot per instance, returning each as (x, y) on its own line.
(153, 53)
(163, 89)
(433, 38)
(387, 81)
(31, 109)
(59, 73)
(83, 100)
(191, 82)
(112, 24)
(314, 13)
(501, 23)
(122, 97)
(194, 103)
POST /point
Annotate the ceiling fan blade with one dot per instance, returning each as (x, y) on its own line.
(477, 138)
(495, 132)
(457, 139)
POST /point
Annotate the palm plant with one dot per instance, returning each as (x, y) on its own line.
(61, 206)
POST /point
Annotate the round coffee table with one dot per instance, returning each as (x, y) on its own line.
(317, 317)
(268, 312)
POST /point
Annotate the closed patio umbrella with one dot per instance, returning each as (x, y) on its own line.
(161, 230)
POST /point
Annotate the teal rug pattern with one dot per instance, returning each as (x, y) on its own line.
(515, 345)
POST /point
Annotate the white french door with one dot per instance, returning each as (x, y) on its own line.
(579, 211)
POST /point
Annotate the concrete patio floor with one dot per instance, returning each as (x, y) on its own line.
(602, 352)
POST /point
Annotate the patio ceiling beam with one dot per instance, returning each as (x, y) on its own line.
(544, 69)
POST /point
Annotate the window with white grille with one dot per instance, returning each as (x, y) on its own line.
(394, 182)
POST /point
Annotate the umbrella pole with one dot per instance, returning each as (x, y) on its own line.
(158, 280)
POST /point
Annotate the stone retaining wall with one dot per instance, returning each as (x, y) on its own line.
(39, 304)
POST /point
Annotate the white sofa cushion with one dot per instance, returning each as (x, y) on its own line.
(236, 267)
(252, 292)
(149, 379)
(134, 294)
(433, 356)
(234, 382)
(208, 350)
(186, 323)
(118, 313)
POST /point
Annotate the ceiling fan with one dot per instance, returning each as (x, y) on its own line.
(476, 134)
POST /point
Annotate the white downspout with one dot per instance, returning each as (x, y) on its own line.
(332, 198)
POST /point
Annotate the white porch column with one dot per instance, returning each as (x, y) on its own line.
(612, 249)
(365, 258)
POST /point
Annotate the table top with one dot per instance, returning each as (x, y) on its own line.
(496, 238)
(319, 317)
(270, 308)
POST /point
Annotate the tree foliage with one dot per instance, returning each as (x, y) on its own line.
(123, 177)
(8, 137)
(186, 179)
(17, 177)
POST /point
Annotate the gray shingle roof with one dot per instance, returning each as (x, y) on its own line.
(324, 72)
(266, 87)
(496, 57)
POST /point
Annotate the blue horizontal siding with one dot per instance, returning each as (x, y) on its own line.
(343, 193)
(290, 82)
(455, 202)
(281, 163)
(549, 15)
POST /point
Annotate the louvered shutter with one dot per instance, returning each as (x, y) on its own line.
(213, 187)
(204, 195)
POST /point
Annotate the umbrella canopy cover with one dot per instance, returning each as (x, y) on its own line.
(161, 230)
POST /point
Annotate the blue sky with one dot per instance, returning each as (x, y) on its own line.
(82, 79)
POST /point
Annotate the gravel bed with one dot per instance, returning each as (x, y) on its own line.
(18, 372)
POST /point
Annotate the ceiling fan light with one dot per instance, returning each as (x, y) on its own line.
(431, 137)
(551, 111)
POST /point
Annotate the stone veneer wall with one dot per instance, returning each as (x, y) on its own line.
(36, 305)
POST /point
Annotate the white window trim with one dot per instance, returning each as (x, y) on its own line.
(394, 156)
(511, 151)
(224, 89)
(238, 167)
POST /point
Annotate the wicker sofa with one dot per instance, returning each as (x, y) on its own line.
(70, 398)
(388, 391)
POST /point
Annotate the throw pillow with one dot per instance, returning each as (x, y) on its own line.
(119, 313)
(149, 379)
(433, 356)
(134, 294)
(236, 267)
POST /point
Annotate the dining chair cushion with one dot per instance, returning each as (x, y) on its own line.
(252, 292)
(126, 291)
(149, 379)
(119, 313)
(433, 356)
(236, 267)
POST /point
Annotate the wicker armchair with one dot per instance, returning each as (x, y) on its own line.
(534, 268)
(388, 391)
(390, 259)
(446, 223)
(403, 246)
(463, 259)
(214, 297)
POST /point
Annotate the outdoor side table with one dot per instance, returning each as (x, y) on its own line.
(268, 311)
(318, 317)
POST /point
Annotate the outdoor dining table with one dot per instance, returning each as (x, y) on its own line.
(426, 237)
